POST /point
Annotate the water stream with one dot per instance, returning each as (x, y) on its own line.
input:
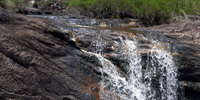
(157, 82)
(154, 80)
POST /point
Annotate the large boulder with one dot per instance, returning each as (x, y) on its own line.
(40, 62)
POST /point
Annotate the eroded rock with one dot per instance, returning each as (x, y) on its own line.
(40, 62)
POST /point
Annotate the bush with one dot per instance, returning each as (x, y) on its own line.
(150, 11)
(51, 4)
(104, 8)
(11, 3)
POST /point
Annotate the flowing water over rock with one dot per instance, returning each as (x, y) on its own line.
(134, 71)
(161, 75)
(154, 80)
(157, 82)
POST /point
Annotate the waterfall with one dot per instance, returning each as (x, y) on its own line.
(165, 71)
(134, 70)
(130, 87)
(111, 78)
(150, 78)
(158, 81)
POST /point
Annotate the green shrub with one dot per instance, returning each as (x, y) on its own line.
(11, 3)
(151, 11)
(82, 3)
(103, 8)
(52, 4)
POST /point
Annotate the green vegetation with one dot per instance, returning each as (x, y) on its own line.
(11, 3)
(53, 4)
(104, 8)
(150, 11)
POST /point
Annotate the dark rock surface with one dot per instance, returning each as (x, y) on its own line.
(39, 62)
(33, 11)
(186, 55)
(187, 58)
(186, 34)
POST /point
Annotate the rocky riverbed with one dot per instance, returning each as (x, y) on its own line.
(47, 59)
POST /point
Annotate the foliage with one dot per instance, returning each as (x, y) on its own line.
(52, 4)
(151, 11)
(11, 3)
(103, 8)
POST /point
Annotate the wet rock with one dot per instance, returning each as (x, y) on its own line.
(110, 48)
(5, 16)
(29, 11)
(191, 90)
(33, 11)
(69, 97)
(185, 55)
(187, 59)
(40, 62)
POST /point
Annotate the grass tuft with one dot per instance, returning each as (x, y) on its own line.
(150, 11)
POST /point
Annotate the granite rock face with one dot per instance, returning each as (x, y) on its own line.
(40, 62)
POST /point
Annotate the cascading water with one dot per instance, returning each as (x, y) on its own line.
(134, 71)
(130, 87)
(111, 78)
(156, 79)
(157, 82)
(163, 72)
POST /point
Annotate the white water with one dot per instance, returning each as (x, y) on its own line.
(134, 69)
(112, 78)
(167, 72)
(157, 82)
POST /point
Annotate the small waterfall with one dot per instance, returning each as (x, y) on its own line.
(111, 78)
(130, 87)
(134, 71)
(163, 74)
(158, 81)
